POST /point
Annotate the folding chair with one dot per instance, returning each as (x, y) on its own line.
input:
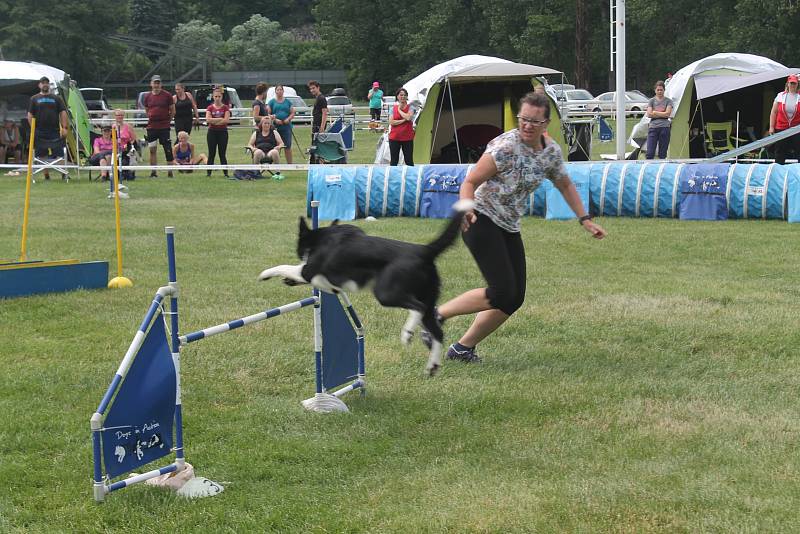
(56, 158)
(328, 148)
(718, 138)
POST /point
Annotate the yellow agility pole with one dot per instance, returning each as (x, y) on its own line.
(119, 280)
(23, 255)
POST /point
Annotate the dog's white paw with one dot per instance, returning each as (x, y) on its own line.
(434, 359)
(266, 274)
(405, 336)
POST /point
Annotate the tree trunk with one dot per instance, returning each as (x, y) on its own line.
(582, 71)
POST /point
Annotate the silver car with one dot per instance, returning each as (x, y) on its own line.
(634, 101)
(302, 111)
(339, 105)
(576, 101)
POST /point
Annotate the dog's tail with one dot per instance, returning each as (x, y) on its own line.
(446, 238)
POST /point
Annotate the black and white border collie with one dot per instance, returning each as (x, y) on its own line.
(341, 257)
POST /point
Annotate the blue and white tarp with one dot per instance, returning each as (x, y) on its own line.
(139, 426)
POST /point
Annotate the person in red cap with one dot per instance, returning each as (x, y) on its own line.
(785, 115)
(375, 96)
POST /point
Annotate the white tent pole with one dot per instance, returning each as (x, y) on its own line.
(453, 113)
(436, 130)
(620, 49)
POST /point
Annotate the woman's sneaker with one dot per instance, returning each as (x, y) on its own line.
(466, 355)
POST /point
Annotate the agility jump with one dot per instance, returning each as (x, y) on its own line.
(139, 420)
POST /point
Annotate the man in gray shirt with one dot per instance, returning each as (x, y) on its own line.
(659, 109)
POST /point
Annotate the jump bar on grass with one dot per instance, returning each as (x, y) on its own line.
(238, 323)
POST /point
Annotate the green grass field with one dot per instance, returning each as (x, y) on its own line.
(648, 384)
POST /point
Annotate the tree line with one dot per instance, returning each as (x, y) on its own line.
(393, 42)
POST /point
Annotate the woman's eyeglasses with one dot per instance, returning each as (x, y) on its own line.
(532, 122)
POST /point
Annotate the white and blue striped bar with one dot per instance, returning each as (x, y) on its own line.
(141, 478)
(238, 323)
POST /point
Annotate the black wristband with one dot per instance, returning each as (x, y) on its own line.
(584, 218)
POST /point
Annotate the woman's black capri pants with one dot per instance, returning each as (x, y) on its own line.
(500, 256)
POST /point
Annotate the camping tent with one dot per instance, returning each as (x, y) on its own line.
(720, 88)
(474, 95)
(19, 81)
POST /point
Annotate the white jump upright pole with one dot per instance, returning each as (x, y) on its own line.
(618, 49)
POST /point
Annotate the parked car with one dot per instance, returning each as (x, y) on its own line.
(386, 107)
(302, 111)
(339, 104)
(634, 101)
(95, 99)
(203, 97)
(575, 100)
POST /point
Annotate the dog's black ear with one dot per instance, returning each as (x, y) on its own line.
(335, 222)
(303, 226)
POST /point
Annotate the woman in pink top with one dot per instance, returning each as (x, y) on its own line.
(125, 134)
(217, 116)
(102, 150)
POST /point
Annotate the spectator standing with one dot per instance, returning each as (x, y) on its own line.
(785, 115)
(319, 114)
(260, 108)
(50, 113)
(218, 115)
(375, 96)
(659, 110)
(283, 111)
(186, 113)
(401, 130)
(160, 110)
(125, 133)
(513, 166)
(10, 143)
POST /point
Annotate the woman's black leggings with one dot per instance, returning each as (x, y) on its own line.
(500, 256)
(217, 139)
(408, 152)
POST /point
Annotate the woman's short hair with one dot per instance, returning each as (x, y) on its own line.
(313, 83)
(182, 135)
(537, 100)
(659, 83)
(401, 90)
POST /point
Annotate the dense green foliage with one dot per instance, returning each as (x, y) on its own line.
(393, 42)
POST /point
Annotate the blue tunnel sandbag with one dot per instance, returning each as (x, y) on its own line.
(440, 188)
(334, 187)
(703, 187)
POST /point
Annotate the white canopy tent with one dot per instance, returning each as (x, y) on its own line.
(717, 89)
(468, 90)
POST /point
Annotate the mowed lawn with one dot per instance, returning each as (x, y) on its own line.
(649, 383)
